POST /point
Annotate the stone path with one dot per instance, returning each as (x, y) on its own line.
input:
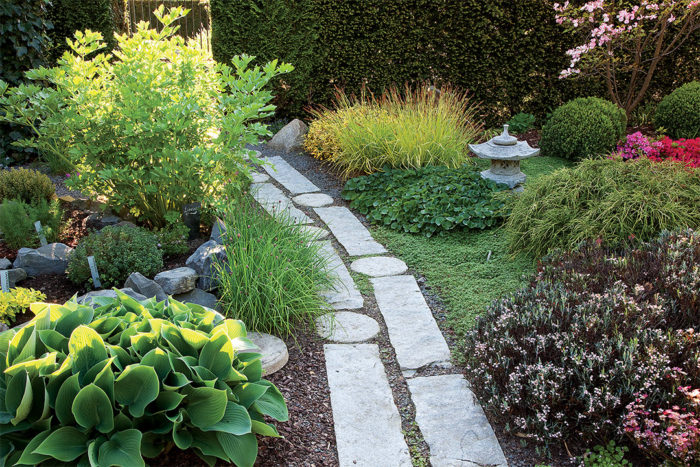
(275, 202)
(367, 423)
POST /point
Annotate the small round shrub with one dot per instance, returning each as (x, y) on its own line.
(428, 200)
(562, 358)
(583, 127)
(27, 185)
(118, 251)
(608, 199)
(679, 112)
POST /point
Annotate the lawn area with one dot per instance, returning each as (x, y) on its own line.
(456, 263)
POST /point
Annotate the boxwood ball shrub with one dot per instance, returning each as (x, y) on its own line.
(128, 380)
(679, 112)
(583, 127)
(30, 186)
(428, 200)
(608, 199)
(118, 251)
(595, 329)
(17, 301)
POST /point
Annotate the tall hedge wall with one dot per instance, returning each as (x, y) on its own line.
(509, 54)
(69, 16)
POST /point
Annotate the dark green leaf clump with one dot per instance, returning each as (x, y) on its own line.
(679, 112)
(17, 220)
(129, 380)
(428, 200)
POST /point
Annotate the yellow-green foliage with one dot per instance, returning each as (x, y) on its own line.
(409, 129)
(28, 185)
(17, 301)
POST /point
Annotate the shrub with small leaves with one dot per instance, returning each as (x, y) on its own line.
(172, 239)
(17, 301)
(679, 112)
(118, 251)
(17, 220)
(128, 380)
(428, 200)
(30, 186)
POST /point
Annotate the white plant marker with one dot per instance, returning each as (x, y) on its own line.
(40, 231)
(93, 270)
(5, 281)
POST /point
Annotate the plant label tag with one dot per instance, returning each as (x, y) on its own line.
(5, 281)
(93, 270)
(40, 231)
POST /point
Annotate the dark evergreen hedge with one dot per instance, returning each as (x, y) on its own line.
(69, 16)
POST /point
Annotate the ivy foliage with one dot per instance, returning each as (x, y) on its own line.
(428, 200)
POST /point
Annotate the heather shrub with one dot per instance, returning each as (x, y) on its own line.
(562, 358)
(28, 185)
(17, 220)
(679, 112)
(17, 301)
(583, 127)
(118, 251)
(603, 198)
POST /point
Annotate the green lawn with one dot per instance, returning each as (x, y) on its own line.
(456, 264)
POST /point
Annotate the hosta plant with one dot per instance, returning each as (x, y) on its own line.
(128, 380)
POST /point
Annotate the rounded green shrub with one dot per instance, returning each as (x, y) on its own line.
(28, 185)
(679, 112)
(118, 251)
(608, 199)
(128, 380)
(583, 127)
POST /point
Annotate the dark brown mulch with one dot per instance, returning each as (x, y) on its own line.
(532, 137)
(177, 261)
(56, 287)
(74, 228)
(7, 252)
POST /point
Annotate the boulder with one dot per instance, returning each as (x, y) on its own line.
(5, 264)
(218, 231)
(87, 298)
(200, 297)
(16, 275)
(290, 138)
(4, 327)
(203, 260)
(177, 281)
(145, 286)
(49, 259)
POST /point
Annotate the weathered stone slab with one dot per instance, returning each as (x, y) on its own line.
(145, 286)
(16, 275)
(316, 232)
(349, 231)
(290, 137)
(379, 266)
(5, 264)
(218, 231)
(345, 295)
(413, 332)
(367, 423)
(288, 176)
(49, 259)
(204, 260)
(273, 349)
(259, 177)
(346, 327)
(453, 424)
(276, 203)
(200, 297)
(177, 281)
(313, 200)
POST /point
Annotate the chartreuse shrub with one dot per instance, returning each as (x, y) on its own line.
(583, 127)
(17, 301)
(152, 126)
(608, 199)
(118, 251)
(567, 357)
(273, 274)
(401, 129)
(17, 220)
(679, 112)
(427, 200)
(129, 380)
(30, 186)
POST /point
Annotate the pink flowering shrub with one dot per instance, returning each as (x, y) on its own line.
(685, 151)
(637, 145)
(561, 359)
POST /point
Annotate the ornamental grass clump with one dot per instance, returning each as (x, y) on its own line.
(562, 359)
(273, 274)
(608, 199)
(128, 380)
(400, 129)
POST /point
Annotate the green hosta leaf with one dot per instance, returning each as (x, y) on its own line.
(92, 408)
(158, 359)
(136, 387)
(33, 367)
(123, 449)
(65, 444)
(175, 381)
(22, 346)
(19, 397)
(194, 338)
(181, 436)
(105, 379)
(252, 370)
(206, 406)
(208, 445)
(232, 327)
(264, 429)
(152, 444)
(86, 349)
(54, 340)
(5, 339)
(248, 393)
(130, 304)
(28, 457)
(236, 420)
(242, 450)
(67, 323)
(64, 400)
(272, 403)
(166, 400)
(217, 356)
(94, 450)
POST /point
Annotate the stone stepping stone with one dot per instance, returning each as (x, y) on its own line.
(275, 202)
(349, 231)
(259, 177)
(345, 295)
(317, 232)
(273, 349)
(453, 424)
(378, 266)
(367, 423)
(347, 327)
(288, 176)
(413, 332)
(313, 200)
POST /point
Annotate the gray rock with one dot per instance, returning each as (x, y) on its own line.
(259, 177)
(199, 297)
(110, 220)
(145, 286)
(349, 231)
(274, 201)
(290, 137)
(313, 200)
(203, 261)
(15, 276)
(218, 231)
(5, 264)
(378, 266)
(4, 327)
(177, 281)
(273, 349)
(49, 259)
(126, 224)
(288, 176)
(87, 298)
(346, 327)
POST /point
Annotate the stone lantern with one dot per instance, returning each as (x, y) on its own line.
(505, 153)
